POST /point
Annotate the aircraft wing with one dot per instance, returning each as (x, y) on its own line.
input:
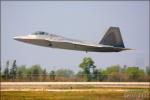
(84, 46)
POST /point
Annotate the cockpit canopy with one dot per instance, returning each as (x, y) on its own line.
(40, 33)
(45, 34)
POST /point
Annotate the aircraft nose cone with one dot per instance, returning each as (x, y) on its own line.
(19, 38)
(16, 38)
(27, 38)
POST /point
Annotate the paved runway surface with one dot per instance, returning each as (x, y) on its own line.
(68, 86)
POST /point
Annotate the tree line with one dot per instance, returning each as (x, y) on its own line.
(88, 72)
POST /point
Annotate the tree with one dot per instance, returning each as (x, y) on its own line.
(80, 75)
(21, 72)
(29, 76)
(44, 75)
(133, 73)
(113, 69)
(103, 75)
(64, 72)
(13, 70)
(114, 73)
(148, 70)
(147, 74)
(36, 71)
(142, 76)
(86, 64)
(52, 75)
(95, 75)
(6, 71)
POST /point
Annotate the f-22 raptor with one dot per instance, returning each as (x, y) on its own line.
(111, 41)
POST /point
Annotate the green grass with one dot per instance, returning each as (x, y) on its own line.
(71, 95)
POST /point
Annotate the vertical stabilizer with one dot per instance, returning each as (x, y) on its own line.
(113, 37)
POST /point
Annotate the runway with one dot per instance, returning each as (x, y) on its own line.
(69, 86)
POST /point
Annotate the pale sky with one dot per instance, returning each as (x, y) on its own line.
(81, 20)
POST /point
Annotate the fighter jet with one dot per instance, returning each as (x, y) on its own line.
(111, 41)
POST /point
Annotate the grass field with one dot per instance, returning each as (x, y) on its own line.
(99, 94)
(75, 91)
(73, 95)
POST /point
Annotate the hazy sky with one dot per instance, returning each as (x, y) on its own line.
(78, 20)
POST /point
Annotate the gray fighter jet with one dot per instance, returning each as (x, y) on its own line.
(111, 42)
